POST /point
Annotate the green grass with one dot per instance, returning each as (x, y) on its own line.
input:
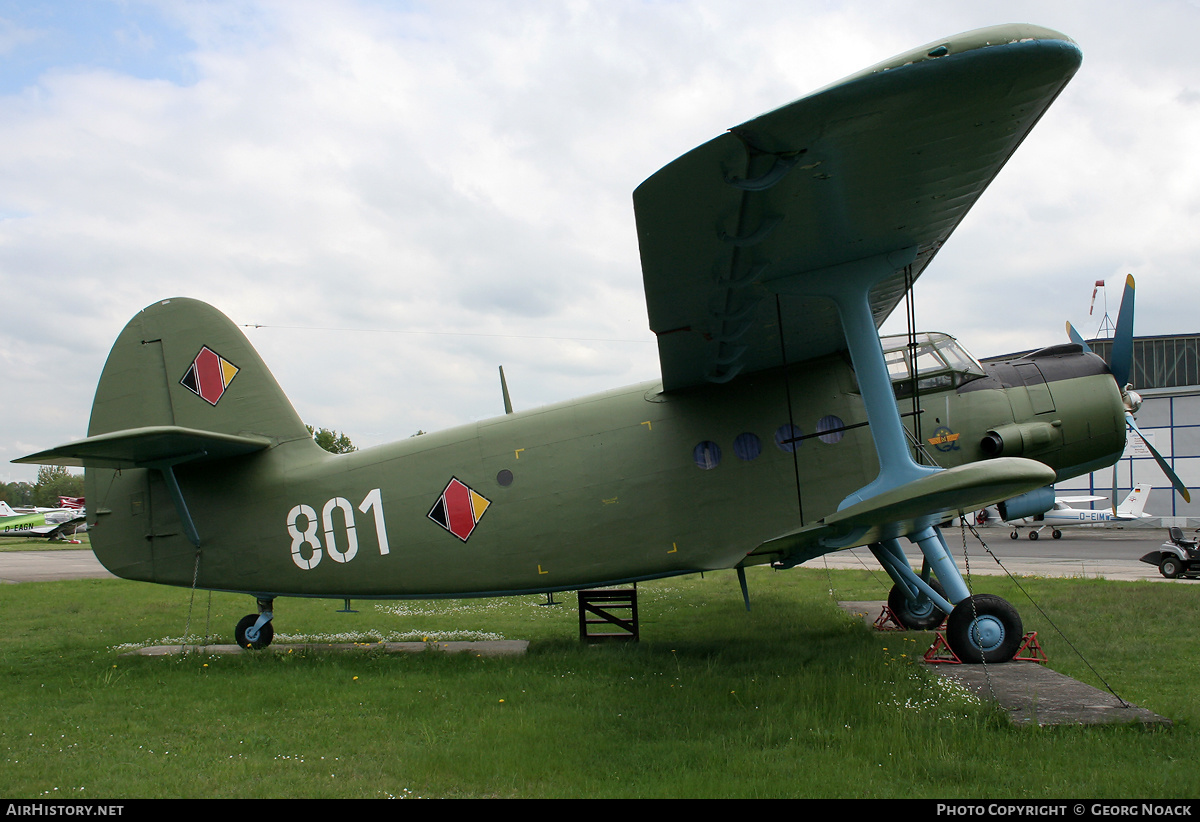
(791, 699)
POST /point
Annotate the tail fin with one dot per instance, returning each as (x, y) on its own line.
(5, 511)
(182, 383)
(182, 388)
(1135, 504)
(182, 363)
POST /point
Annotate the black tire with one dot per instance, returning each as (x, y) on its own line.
(1170, 566)
(1057, 534)
(1013, 535)
(924, 617)
(984, 628)
(1033, 534)
(265, 634)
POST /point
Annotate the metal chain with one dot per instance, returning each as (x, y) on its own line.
(187, 627)
(1046, 616)
(987, 676)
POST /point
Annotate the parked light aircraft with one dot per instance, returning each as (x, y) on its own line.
(54, 524)
(1062, 515)
(770, 255)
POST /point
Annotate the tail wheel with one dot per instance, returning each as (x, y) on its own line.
(916, 616)
(242, 634)
(984, 628)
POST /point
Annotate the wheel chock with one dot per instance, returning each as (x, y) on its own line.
(939, 652)
(1030, 650)
(886, 621)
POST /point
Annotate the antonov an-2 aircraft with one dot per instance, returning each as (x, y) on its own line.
(770, 256)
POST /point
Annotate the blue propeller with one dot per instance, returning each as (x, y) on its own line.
(1121, 366)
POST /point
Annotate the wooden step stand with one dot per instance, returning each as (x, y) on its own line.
(596, 610)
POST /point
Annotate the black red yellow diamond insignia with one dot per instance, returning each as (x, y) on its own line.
(209, 375)
(459, 509)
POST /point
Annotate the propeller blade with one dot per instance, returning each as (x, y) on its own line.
(1076, 337)
(1122, 348)
(1162, 463)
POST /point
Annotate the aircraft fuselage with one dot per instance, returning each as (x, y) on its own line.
(625, 485)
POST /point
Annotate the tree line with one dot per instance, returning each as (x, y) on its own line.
(53, 481)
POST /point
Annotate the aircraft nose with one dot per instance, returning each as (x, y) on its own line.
(1067, 412)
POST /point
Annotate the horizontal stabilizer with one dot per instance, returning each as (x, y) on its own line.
(147, 447)
(913, 506)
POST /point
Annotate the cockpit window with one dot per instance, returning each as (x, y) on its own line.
(941, 363)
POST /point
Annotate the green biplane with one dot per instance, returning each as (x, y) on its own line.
(781, 429)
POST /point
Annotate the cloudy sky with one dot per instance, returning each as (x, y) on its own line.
(406, 195)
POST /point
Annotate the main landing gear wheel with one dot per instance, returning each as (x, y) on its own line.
(265, 634)
(984, 628)
(1057, 534)
(1033, 534)
(1170, 567)
(916, 616)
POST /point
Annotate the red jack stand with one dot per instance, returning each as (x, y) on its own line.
(939, 652)
(886, 621)
(1030, 651)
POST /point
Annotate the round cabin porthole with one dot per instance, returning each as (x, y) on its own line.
(707, 455)
(830, 429)
(747, 446)
(787, 437)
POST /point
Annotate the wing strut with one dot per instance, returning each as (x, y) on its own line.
(167, 469)
(849, 287)
(787, 387)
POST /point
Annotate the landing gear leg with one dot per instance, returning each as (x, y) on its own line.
(255, 630)
(981, 627)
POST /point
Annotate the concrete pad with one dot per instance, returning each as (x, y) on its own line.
(1029, 692)
(503, 647)
(1032, 694)
(49, 566)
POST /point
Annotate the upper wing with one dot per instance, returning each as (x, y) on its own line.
(887, 160)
